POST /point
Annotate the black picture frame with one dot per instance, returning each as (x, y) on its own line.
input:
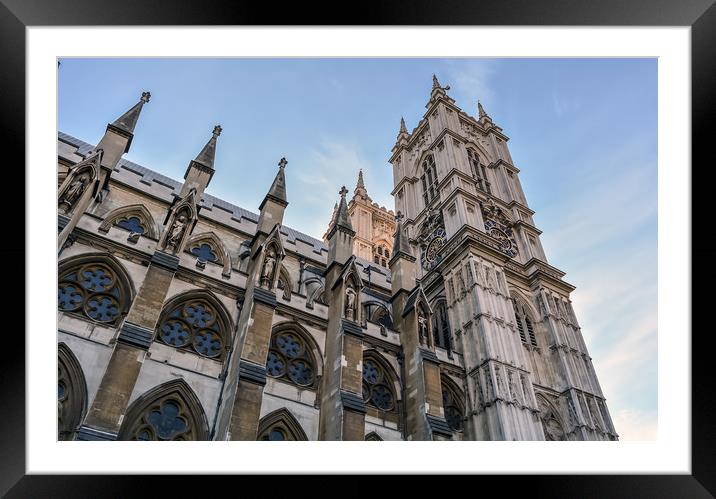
(700, 15)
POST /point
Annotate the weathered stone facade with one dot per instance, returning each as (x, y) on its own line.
(184, 317)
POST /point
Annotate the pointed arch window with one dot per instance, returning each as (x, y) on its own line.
(168, 412)
(94, 291)
(290, 359)
(377, 386)
(478, 171)
(429, 179)
(279, 426)
(441, 327)
(71, 393)
(524, 324)
(453, 405)
(194, 325)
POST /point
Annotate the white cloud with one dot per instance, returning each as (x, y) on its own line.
(470, 81)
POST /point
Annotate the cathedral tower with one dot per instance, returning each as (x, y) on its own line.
(528, 375)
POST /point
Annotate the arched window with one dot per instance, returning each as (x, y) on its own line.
(551, 421)
(133, 218)
(71, 393)
(373, 436)
(524, 323)
(441, 326)
(429, 179)
(168, 412)
(280, 425)
(290, 358)
(94, 290)
(377, 386)
(453, 405)
(478, 171)
(196, 325)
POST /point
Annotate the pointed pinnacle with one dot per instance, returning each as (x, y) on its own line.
(360, 184)
(403, 128)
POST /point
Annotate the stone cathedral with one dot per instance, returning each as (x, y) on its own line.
(185, 317)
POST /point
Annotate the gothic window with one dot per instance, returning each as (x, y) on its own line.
(71, 393)
(478, 171)
(453, 406)
(373, 436)
(168, 412)
(376, 259)
(204, 252)
(524, 323)
(280, 425)
(93, 290)
(194, 325)
(290, 359)
(377, 386)
(429, 179)
(135, 219)
(441, 327)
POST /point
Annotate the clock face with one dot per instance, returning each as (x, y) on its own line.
(431, 254)
(504, 235)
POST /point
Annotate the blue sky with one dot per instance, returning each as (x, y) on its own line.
(582, 131)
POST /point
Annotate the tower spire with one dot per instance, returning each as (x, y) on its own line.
(360, 189)
(128, 120)
(403, 128)
(208, 153)
(342, 219)
(278, 188)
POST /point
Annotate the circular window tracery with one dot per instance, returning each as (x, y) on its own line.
(289, 358)
(376, 386)
(93, 290)
(194, 325)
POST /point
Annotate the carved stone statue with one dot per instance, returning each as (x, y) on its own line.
(422, 328)
(267, 269)
(350, 303)
(176, 232)
(74, 191)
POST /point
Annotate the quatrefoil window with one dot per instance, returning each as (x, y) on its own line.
(132, 224)
(376, 386)
(92, 290)
(204, 252)
(290, 358)
(164, 421)
(193, 325)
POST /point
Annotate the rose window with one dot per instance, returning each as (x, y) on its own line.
(290, 359)
(194, 326)
(91, 290)
(376, 386)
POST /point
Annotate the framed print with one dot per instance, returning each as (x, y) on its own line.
(310, 280)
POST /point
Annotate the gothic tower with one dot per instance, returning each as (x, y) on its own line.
(374, 226)
(528, 375)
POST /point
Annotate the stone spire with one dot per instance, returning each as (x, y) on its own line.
(483, 117)
(341, 233)
(438, 91)
(208, 153)
(403, 128)
(360, 189)
(278, 187)
(128, 120)
(342, 219)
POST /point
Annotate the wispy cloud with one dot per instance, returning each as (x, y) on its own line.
(471, 80)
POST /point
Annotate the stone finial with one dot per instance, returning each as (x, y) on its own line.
(282, 163)
(436, 83)
(403, 128)
(360, 184)
(343, 192)
(217, 130)
(399, 217)
(145, 97)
